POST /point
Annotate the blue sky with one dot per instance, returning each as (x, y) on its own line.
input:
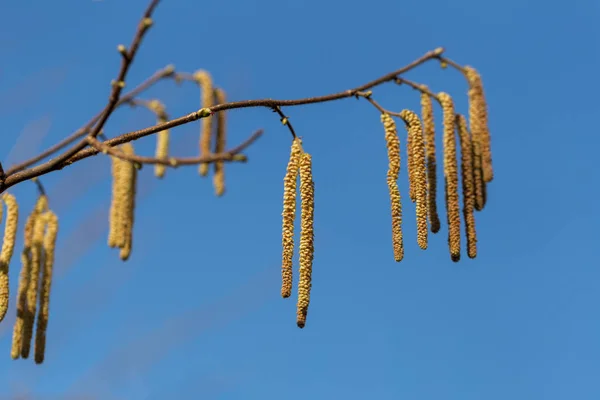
(196, 312)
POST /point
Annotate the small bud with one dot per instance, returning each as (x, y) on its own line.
(443, 64)
(204, 112)
(240, 157)
(147, 23)
(173, 162)
(284, 120)
(120, 84)
(438, 51)
(169, 70)
(121, 48)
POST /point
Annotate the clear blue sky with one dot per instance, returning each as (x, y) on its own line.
(196, 312)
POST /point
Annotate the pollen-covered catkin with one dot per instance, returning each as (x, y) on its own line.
(478, 118)
(467, 184)
(8, 246)
(33, 287)
(162, 137)
(429, 135)
(289, 215)
(129, 177)
(306, 247)
(204, 80)
(419, 173)
(220, 143)
(49, 246)
(115, 236)
(410, 168)
(22, 312)
(393, 151)
(451, 176)
(478, 182)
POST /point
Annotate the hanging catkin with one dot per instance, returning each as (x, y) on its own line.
(204, 80)
(289, 215)
(49, 246)
(129, 177)
(8, 246)
(162, 137)
(32, 289)
(478, 119)
(23, 314)
(306, 247)
(478, 182)
(429, 135)
(451, 176)
(115, 234)
(467, 184)
(419, 173)
(393, 151)
(220, 143)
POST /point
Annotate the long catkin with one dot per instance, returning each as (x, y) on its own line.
(419, 173)
(8, 246)
(478, 182)
(22, 313)
(129, 178)
(115, 235)
(162, 137)
(220, 143)
(467, 184)
(49, 246)
(451, 176)
(288, 216)
(33, 287)
(478, 119)
(306, 247)
(393, 152)
(204, 80)
(429, 135)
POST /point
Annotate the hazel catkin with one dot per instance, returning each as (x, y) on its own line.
(393, 152)
(419, 173)
(478, 119)
(162, 137)
(467, 184)
(8, 246)
(129, 178)
(115, 235)
(220, 143)
(204, 80)
(451, 176)
(306, 247)
(429, 136)
(289, 215)
(49, 246)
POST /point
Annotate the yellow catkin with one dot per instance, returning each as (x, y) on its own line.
(204, 80)
(162, 137)
(478, 118)
(22, 314)
(129, 177)
(478, 182)
(451, 176)
(288, 216)
(419, 173)
(393, 150)
(8, 246)
(467, 184)
(49, 246)
(429, 135)
(114, 231)
(32, 289)
(220, 143)
(306, 247)
(410, 169)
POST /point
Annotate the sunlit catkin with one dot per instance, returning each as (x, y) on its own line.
(478, 119)
(429, 135)
(115, 235)
(37, 257)
(220, 143)
(22, 312)
(419, 173)
(162, 137)
(306, 247)
(204, 80)
(467, 184)
(129, 177)
(49, 246)
(289, 215)
(8, 246)
(451, 176)
(393, 151)
(410, 169)
(478, 182)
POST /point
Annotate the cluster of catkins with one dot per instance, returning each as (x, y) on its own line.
(35, 279)
(476, 167)
(300, 164)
